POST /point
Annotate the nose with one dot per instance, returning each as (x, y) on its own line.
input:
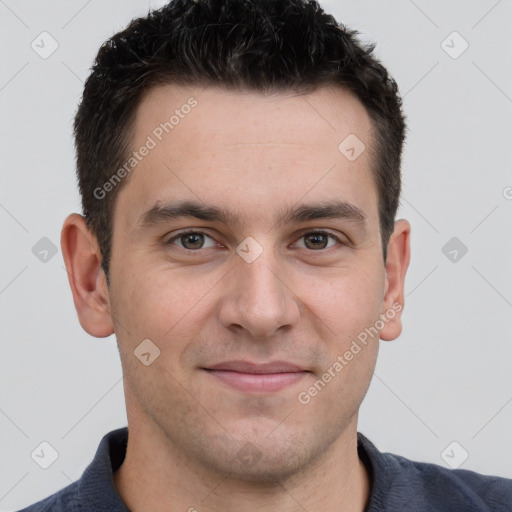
(258, 299)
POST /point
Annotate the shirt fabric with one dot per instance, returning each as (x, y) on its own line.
(397, 484)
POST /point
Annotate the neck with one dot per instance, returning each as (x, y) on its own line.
(172, 481)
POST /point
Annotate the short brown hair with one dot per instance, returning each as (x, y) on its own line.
(261, 45)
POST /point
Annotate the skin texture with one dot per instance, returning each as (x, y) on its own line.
(254, 155)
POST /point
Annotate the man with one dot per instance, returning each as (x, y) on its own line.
(239, 165)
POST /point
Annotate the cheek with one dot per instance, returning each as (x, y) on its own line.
(348, 308)
(155, 302)
(347, 301)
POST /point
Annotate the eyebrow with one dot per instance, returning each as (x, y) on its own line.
(161, 213)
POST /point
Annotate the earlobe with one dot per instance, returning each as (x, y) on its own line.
(86, 277)
(398, 257)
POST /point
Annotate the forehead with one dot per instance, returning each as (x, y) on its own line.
(233, 115)
(249, 150)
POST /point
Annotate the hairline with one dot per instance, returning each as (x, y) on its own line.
(127, 133)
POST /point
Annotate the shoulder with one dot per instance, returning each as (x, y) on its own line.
(437, 486)
(64, 500)
(403, 484)
(95, 490)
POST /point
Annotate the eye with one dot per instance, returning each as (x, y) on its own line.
(318, 240)
(191, 240)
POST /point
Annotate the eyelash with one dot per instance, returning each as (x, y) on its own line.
(303, 234)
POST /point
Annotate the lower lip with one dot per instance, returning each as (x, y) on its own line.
(257, 382)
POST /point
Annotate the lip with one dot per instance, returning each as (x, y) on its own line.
(264, 377)
(257, 368)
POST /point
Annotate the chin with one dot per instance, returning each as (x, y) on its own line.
(266, 459)
(271, 467)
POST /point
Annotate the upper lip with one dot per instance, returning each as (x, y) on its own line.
(257, 368)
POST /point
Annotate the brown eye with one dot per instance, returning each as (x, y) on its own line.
(316, 241)
(192, 240)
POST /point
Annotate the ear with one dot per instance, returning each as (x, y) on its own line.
(86, 277)
(398, 256)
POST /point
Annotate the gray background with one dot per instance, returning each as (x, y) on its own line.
(447, 378)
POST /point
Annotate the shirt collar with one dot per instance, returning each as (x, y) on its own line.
(97, 489)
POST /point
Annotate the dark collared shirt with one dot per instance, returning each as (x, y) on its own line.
(398, 484)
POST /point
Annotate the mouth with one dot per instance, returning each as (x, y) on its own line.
(248, 376)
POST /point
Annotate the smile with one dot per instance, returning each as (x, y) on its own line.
(266, 377)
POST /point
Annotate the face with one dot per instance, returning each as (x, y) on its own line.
(247, 248)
